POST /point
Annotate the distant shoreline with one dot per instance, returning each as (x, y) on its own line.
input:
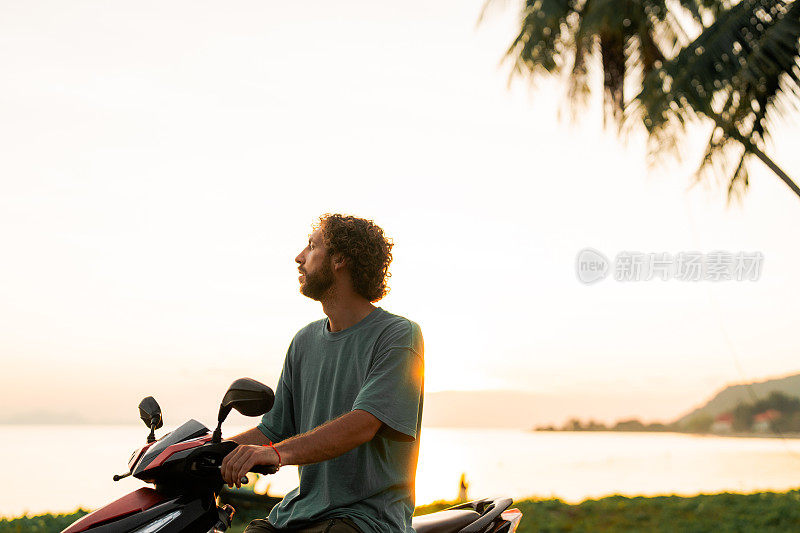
(793, 435)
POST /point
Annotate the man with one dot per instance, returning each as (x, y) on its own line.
(348, 404)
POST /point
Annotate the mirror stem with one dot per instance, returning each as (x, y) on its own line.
(152, 436)
(217, 436)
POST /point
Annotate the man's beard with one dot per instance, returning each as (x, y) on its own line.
(316, 285)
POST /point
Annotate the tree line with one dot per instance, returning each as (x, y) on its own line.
(782, 410)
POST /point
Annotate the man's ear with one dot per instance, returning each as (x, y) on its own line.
(339, 261)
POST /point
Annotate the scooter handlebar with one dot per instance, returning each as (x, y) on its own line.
(259, 469)
(264, 469)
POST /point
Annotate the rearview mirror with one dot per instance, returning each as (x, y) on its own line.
(249, 397)
(150, 413)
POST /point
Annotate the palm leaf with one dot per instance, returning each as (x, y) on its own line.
(626, 39)
(742, 72)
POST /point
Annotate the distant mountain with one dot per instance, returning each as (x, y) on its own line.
(729, 397)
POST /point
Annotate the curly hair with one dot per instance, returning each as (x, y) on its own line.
(365, 248)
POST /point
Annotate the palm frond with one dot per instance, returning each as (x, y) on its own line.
(742, 72)
(626, 39)
(543, 30)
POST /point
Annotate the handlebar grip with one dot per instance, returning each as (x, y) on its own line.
(264, 469)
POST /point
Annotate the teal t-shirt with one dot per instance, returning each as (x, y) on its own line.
(376, 366)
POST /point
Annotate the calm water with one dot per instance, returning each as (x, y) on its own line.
(58, 468)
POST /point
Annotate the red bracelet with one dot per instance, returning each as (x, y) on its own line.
(276, 453)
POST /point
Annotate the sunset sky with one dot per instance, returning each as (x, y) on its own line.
(161, 165)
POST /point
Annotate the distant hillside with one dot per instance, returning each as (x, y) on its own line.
(729, 397)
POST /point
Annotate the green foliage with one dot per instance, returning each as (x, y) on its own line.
(45, 523)
(727, 399)
(705, 513)
(717, 513)
(733, 63)
(433, 507)
(629, 425)
(627, 39)
(787, 406)
(741, 73)
(701, 420)
(765, 511)
(700, 423)
(575, 424)
(743, 417)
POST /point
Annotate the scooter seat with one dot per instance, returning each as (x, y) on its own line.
(447, 521)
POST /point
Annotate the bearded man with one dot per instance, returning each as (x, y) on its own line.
(348, 404)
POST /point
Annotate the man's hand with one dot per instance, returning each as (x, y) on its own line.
(238, 463)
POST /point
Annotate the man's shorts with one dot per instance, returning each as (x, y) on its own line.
(332, 525)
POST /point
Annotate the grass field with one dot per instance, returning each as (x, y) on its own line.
(765, 511)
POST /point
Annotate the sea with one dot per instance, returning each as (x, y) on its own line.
(60, 468)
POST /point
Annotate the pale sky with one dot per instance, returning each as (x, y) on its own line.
(161, 165)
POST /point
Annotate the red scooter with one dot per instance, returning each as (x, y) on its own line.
(184, 467)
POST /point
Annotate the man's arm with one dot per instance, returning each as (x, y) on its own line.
(251, 436)
(324, 442)
(329, 440)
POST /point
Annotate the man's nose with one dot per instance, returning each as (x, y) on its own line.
(299, 258)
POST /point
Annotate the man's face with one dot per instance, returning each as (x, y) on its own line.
(314, 264)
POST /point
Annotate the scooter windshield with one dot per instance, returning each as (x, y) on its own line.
(187, 431)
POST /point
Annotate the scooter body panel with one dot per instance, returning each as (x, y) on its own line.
(156, 454)
(180, 514)
(135, 502)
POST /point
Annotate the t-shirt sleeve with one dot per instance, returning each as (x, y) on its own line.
(278, 424)
(392, 391)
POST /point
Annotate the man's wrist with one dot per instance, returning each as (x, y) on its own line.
(273, 455)
(281, 453)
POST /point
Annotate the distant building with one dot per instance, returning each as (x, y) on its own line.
(723, 423)
(762, 422)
